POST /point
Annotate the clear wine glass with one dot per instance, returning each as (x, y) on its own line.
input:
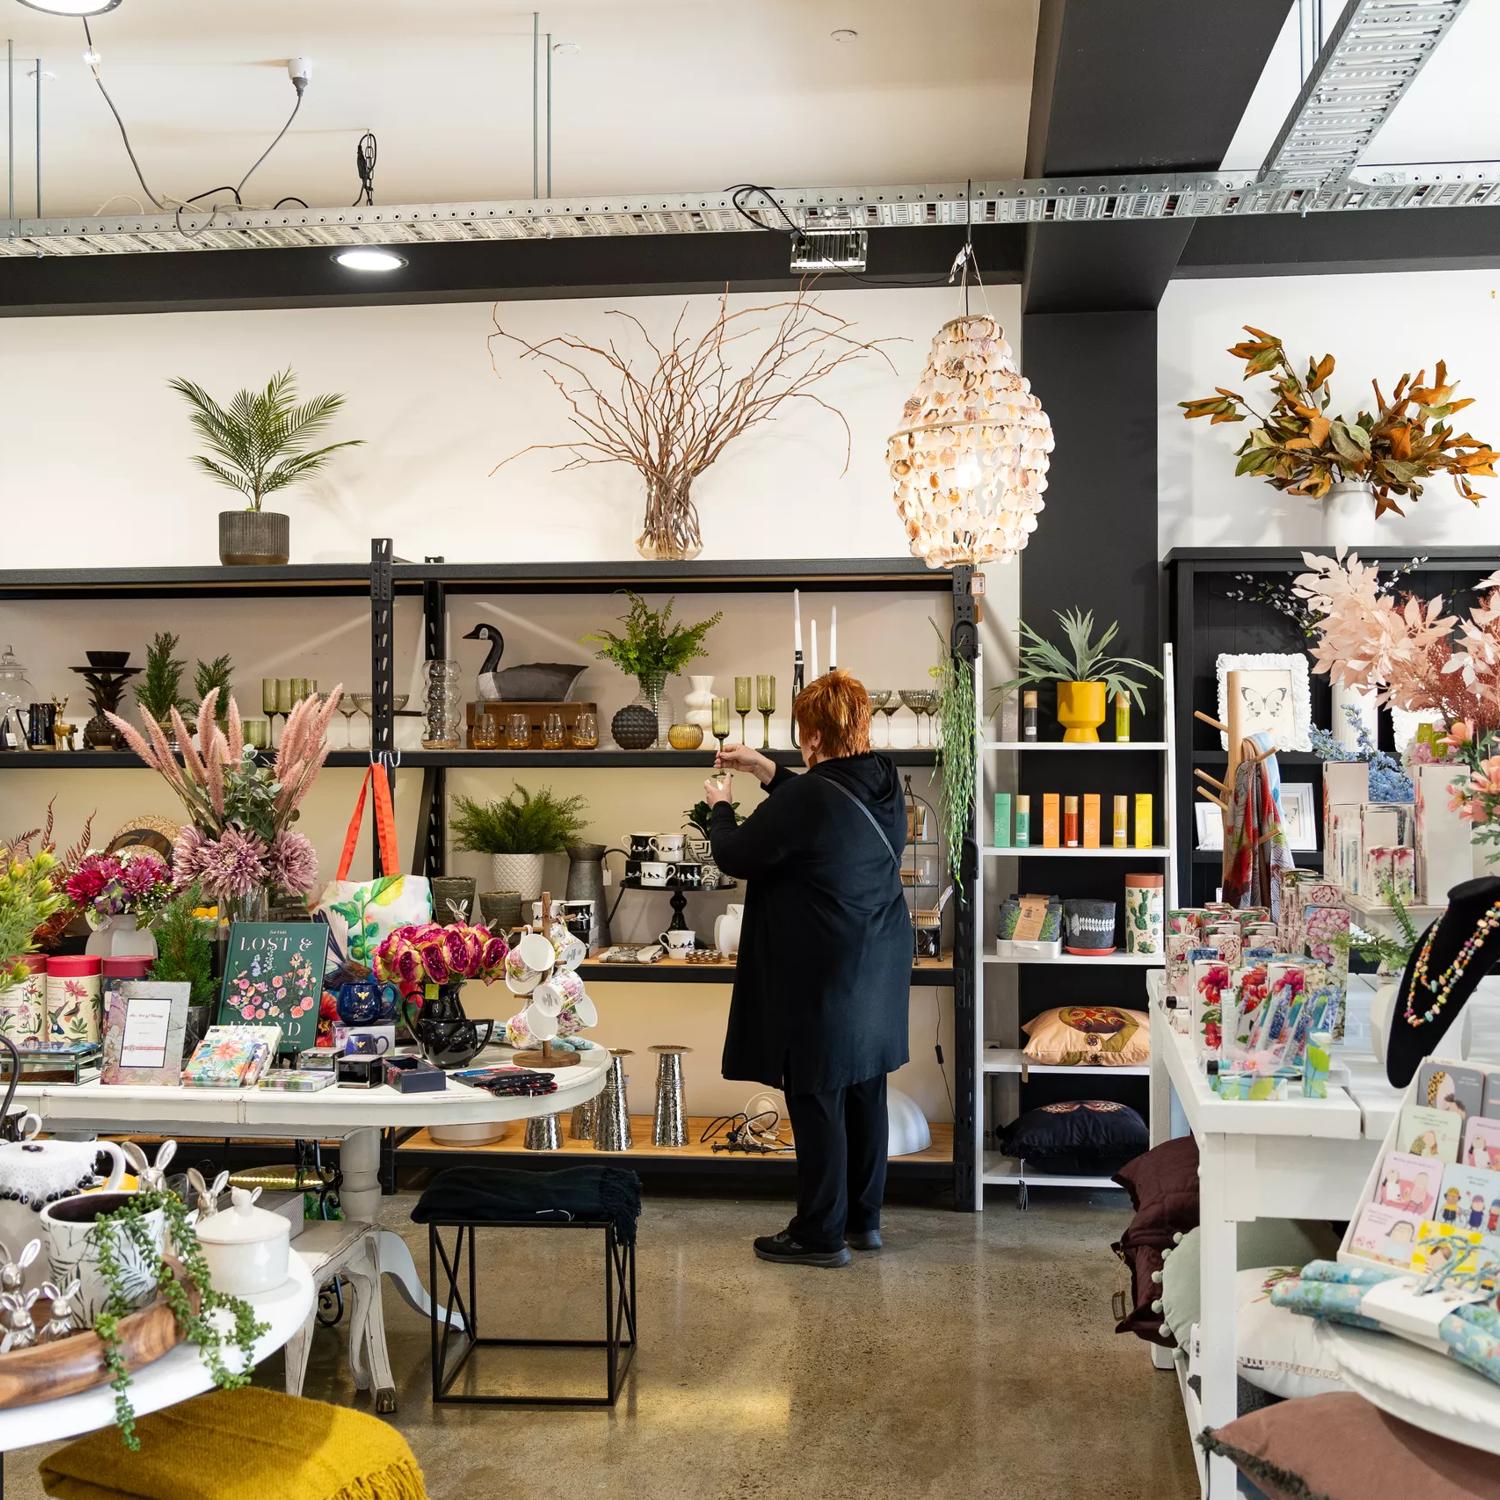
(879, 697)
(912, 698)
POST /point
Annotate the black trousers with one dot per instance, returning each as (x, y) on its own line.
(841, 1138)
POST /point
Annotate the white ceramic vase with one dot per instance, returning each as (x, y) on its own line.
(727, 929)
(700, 702)
(1349, 515)
(120, 937)
(521, 873)
(1362, 701)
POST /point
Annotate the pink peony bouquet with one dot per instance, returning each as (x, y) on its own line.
(111, 885)
(434, 953)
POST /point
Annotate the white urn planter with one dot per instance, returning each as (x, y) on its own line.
(521, 873)
(120, 937)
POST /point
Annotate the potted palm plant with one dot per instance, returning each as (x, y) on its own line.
(259, 444)
(1087, 678)
(516, 833)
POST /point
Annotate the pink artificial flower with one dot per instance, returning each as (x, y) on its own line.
(233, 865)
(1460, 732)
(293, 862)
(1420, 754)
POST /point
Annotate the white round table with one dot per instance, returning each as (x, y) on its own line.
(177, 1375)
(354, 1116)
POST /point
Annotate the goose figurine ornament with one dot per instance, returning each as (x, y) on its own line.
(532, 682)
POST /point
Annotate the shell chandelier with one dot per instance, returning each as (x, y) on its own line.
(970, 458)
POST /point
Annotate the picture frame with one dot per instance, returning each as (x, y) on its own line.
(1210, 823)
(145, 1029)
(1275, 693)
(1299, 815)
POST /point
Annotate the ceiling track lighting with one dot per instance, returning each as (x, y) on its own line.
(370, 259)
(73, 8)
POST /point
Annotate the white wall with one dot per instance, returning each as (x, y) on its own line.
(94, 471)
(1377, 327)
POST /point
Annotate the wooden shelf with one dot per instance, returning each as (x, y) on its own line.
(696, 1153)
(937, 972)
(1039, 851)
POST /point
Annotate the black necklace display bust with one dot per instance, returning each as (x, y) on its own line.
(1469, 905)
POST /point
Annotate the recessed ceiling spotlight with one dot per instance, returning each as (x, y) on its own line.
(844, 36)
(366, 258)
(72, 7)
(565, 49)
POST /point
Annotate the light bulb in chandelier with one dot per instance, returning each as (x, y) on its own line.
(970, 459)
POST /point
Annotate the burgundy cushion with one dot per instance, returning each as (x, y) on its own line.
(1134, 1308)
(1163, 1188)
(1340, 1447)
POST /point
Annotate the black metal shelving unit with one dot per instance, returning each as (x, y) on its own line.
(386, 580)
(1202, 621)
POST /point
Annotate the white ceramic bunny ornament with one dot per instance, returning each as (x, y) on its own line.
(16, 1320)
(64, 1319)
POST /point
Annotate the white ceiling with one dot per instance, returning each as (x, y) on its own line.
(1447, 115)
(675, 94)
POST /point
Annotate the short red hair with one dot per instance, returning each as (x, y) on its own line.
(836, 708)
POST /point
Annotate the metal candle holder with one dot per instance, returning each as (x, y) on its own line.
(543, 1133)
(612, 1127)
(669, 1124)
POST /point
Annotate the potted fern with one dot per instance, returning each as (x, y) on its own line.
(1087, 678)
(516, 833)
(259, 444)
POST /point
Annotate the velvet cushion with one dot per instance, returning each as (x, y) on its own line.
(1091, 1036)
(1138, 1310)
(1163, 1187)
(1340, 1447)
(1077, 1135)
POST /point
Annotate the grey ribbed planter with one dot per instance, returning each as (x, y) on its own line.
(254, 538)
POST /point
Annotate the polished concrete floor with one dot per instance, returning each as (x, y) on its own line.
(974, 1356)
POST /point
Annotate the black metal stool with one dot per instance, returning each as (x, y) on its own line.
(468, 1199)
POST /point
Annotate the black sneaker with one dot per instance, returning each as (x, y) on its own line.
(784, 1250)
(865, 1239)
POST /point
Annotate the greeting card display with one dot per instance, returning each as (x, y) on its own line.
(145, 1025)
(273, 976)
(1429, 1132)
(1470, 1199)
(1383, 1234)
(1482, 1144)
(1445, 1085)
(1409, 1185)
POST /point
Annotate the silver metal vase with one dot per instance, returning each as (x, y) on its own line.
(584, 1121)
(612, 1128)
(543, 1133)
(669, 1124)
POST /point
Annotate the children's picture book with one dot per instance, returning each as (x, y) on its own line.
(273, 976)
(1482, 1144)
(1470, 1198)
(1409, 1185)
(145, 1025)
(1429, 1132)
(1383, 1234)
(1438, 1243)
(232, 1057)
(1442, 1085)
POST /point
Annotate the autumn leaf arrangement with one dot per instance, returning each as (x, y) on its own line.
(1301, 446)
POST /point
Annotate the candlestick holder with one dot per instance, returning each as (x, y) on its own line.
(797, 686)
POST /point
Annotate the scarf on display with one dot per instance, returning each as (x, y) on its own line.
(1329, 1290)
(1255, 845)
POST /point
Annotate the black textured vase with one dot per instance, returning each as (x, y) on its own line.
(634, 727)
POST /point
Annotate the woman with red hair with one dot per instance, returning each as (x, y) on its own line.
(823, 977)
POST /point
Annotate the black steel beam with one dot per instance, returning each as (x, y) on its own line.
(508, 270)
(1158, 87)
(1403, 239)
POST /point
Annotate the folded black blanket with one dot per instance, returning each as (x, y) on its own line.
(480, 1194)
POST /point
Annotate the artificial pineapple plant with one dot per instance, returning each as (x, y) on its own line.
(258, 444)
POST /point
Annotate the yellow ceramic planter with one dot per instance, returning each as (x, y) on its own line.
(1080, 710)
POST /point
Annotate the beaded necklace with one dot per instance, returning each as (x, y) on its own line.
(1443, 986)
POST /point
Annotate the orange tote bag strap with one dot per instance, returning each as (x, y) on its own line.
(385, 825)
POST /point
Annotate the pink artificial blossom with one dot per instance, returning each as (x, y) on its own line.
(293, 862)
(233, 865)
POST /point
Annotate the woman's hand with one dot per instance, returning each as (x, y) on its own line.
(743, 758)
(717, 790)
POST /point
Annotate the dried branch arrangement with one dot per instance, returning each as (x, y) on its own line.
(671, 421)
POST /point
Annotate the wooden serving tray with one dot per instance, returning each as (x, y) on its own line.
(47, 1371)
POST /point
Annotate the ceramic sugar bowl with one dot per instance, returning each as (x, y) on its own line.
(246, 1248)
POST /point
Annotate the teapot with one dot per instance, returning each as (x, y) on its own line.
(727, 929)
(35, 1173)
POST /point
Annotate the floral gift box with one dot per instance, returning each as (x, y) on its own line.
(231, 1057)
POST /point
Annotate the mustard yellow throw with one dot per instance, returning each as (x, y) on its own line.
(249, 1444)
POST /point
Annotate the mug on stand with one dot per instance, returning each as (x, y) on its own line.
(667, 846)
(642, 845)
(680, 942)
(528, 963)
(559, 992)
(655, 872)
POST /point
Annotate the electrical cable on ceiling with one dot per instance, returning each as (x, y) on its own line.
(794, 232)
(365, 151)
(178, 205)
